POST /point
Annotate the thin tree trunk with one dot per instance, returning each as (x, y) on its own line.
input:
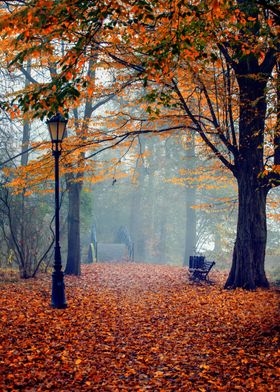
(136, 220)
(25, 268)
(162, 237)
(218, 242)
(191, 229)
(190, 235)
(73, 265)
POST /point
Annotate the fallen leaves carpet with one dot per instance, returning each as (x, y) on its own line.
(137, 327)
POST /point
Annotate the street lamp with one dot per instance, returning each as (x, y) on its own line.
(57, 126)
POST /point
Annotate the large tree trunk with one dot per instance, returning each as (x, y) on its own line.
(247, 269)
(73, 265)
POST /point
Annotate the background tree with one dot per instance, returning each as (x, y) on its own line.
(235, 134)
(210, 62)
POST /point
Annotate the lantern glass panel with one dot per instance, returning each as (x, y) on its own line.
(57, 126)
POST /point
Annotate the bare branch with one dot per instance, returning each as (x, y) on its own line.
(198, 129)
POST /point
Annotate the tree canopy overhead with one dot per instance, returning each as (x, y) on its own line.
(208, 66)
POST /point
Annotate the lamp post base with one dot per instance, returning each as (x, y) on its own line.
(58, 296)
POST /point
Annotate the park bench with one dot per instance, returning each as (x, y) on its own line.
(199, 268)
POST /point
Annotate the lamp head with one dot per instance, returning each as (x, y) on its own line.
(57, 127)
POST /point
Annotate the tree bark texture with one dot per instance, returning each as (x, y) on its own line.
(73, 265)
(247, 269)
(277, 128)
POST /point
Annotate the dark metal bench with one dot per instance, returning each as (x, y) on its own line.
(199, 268)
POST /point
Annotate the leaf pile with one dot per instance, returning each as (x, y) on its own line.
(136, 327)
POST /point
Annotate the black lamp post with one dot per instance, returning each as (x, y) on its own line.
(57, 126)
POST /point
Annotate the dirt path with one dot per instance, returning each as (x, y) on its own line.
(131, 327)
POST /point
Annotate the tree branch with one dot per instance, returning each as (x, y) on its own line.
(202, 134)
(27, 75)
(233, 135)
(269, 62)
(121, 138)
(227, 56)
(271, 7)
(20, 154)
(216, 124)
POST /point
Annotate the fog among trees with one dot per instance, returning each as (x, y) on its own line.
(169, 215)
(174, 140)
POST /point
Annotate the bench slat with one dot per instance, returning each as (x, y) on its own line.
(199, 268)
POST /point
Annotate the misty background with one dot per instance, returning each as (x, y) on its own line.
(173, 203)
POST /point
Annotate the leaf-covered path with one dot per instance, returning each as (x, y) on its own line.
(131, 327)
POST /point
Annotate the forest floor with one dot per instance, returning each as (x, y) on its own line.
(138, 327)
